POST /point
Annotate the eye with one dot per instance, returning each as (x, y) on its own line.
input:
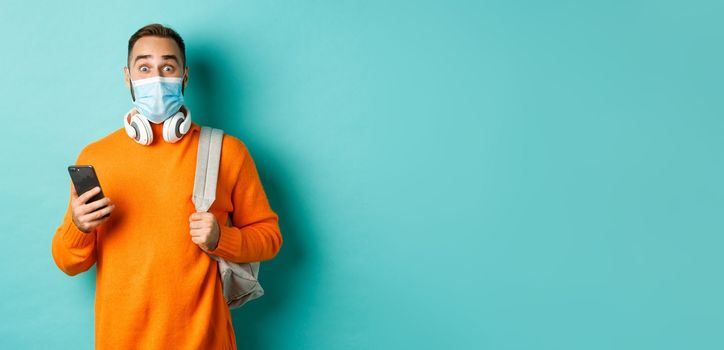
(143, 69)
(168, 68)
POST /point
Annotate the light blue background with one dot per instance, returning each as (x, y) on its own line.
(460, 175)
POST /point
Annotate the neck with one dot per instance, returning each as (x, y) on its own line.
(158, 128)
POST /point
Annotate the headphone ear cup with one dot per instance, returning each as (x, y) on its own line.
(131, 131)
(171, 128)
(143, 131)
(186, 124)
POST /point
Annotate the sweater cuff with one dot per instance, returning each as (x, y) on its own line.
(75, 238)
(229, 243)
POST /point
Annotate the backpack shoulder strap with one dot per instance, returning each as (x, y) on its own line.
(207, 167)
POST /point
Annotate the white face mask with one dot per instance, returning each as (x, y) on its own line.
(158, 98)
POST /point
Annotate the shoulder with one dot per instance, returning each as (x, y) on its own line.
(235, 148)
(101, 146)
(235, 152)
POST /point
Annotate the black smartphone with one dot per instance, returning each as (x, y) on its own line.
(85, 179)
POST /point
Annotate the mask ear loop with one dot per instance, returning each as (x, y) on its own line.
(183, 86)
(130, 82)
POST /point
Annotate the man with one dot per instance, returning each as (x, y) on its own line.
(156, 285)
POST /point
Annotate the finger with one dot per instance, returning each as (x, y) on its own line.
(200, 216)
(200, 224)
(90, 226)
(96, 215)
(90, 193)
(95, 223)
(73, 193)
(89, 207)
(90, 217)
(198, 232)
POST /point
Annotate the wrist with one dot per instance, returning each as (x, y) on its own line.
(80, 229)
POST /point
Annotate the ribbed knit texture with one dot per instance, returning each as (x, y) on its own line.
(155, 288)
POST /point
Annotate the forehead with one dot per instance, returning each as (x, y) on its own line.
(155, 46)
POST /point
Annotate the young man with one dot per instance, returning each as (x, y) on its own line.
(156, 285)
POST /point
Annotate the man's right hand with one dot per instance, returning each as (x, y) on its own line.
(85, 216)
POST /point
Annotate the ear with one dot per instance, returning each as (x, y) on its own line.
(126, 77)
(186, 77)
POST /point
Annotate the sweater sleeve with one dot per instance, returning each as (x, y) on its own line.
(254, 234)
(73, 250)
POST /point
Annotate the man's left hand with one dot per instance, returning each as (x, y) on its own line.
(204, 230)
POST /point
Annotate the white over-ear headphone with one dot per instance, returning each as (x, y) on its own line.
(174, 128)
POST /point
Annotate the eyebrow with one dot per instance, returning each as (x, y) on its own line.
(165, 57)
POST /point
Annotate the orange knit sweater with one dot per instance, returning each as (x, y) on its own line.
(155, 288)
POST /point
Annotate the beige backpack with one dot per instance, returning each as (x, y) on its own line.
(239, 280)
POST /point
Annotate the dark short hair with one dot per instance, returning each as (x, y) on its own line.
(158, 30)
